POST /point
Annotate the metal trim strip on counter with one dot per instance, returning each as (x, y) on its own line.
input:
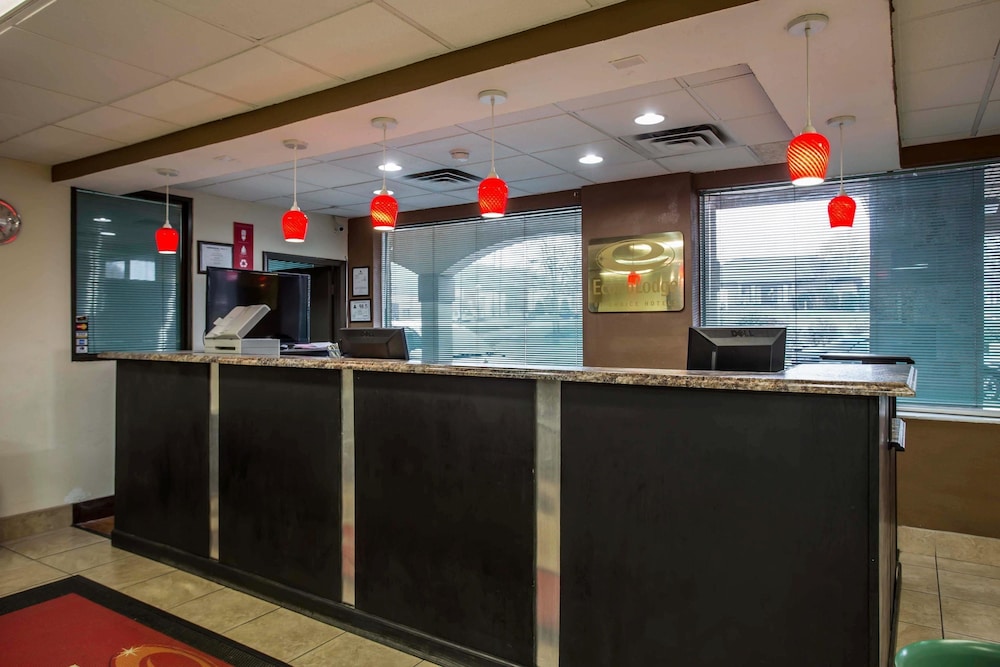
(347, 517)
(213, 461)
(548, 415)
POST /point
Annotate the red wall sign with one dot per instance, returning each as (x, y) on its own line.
(242, 245)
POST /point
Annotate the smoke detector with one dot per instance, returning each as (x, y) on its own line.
(459, 155)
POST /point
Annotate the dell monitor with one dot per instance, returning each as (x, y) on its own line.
(374, 343)
(759, 349)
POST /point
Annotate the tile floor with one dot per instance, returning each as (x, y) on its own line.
(951, 588)
(278, 632)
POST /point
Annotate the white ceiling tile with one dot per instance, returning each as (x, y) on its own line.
(179, 103)
(348, 211)
(45, 63)
(368, 164)
(618, 120)
(645, 91)
(716, 75)
(39, 105)
(51, 144)
(11, 126)
(259, 77)
(464, 23)
(119, 125)
(623, 172)
(944, 86)
(568, 159)
(950, 38)
(524, 166)
(907, 10)
(143, 33)
(255, 188)
(991, 120)
(933, 122)
(429, 201)
(723, 158)
(555, 183)
(325, 175)
(759, 129)
(738, 97)
(439, 151)
(429, 135)
(308, 202)
(365, 191)
(482, 125)
(260, 19)
(540, 135)
(342, 45)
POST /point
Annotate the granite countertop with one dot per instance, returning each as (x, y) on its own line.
(829, 378)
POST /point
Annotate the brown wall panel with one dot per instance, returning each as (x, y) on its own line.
(642, 206)
(949, 477)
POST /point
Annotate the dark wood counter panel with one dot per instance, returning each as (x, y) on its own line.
(524, 516)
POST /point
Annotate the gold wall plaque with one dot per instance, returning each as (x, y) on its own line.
(634, 274)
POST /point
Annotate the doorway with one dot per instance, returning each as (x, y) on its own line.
(327, 292)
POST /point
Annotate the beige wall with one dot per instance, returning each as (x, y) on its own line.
(57, 416)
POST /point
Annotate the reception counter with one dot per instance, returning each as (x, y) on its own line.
(486, 515)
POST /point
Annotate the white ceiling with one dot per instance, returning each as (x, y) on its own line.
(81, 77)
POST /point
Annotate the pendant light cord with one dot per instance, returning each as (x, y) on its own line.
(166, 219)
(493, 169)
(809, 122)
(295, 176)
(842, 157)
(384, 191)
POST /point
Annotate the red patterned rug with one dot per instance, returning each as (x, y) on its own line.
(78, 623)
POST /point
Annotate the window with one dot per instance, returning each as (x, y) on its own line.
(917, 275)
(126, 296)
(478, 291)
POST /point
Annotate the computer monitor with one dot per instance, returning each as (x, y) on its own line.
(374, 343)
(736, 349)
(286, 294)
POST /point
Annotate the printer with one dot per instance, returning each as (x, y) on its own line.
(227, 334)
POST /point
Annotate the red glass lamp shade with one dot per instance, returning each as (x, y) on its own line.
(294, 224)
(492, 197)
(841, 209)
(808, 155)
(384, 210)
(167, 240)
(634, 279)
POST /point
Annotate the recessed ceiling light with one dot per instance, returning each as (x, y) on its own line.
(649, 118)
(107, 234)
(590, 158)
(389, 166)
(102, 219)
(378, 192)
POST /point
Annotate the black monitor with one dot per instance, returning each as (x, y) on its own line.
(374, 343)
(286, 294)
(736, 349)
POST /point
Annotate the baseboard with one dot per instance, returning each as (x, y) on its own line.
(96, 508)
(18, 526)
(343, 616)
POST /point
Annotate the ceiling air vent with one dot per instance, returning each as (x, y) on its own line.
(678, 141)
(442, 179)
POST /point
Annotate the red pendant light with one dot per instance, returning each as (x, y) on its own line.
(167, 238)
(384, 206)
(808, 153)
(492, 191)
(634, 279)
(841, 208)
(295, 223)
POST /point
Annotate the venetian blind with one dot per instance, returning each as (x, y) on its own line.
(917, 275)
(506, 290)
(127, 291)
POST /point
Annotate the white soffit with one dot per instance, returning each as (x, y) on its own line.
(358, 43)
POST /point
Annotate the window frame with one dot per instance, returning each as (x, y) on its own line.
(184, 272)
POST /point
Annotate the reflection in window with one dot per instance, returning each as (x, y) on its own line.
(139, 269)
(114, 270)
(499, 291)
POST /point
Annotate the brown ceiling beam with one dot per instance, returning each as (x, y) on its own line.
(950, 152)
(595, 26)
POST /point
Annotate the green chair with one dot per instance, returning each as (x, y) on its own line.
(949, 653)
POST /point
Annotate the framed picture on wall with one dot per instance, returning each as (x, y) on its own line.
(359, 281)
(361, 310)
(214, 255)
